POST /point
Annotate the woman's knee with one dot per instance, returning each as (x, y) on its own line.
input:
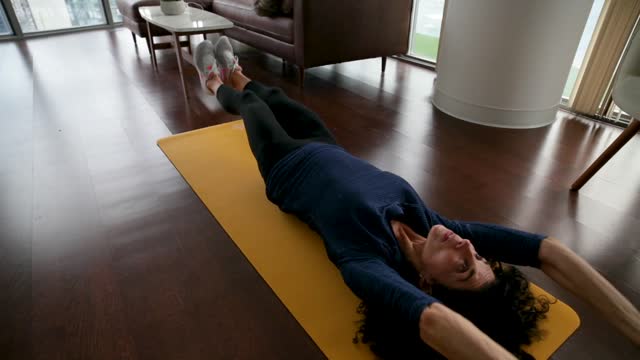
(275, 94)
(249, 96)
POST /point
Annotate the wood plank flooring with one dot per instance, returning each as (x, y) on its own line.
(106, 253)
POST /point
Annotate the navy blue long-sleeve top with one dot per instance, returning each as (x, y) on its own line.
(351, 203)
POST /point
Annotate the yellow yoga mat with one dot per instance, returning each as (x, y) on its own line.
(290, 257)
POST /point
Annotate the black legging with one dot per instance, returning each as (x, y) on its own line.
(275, 124)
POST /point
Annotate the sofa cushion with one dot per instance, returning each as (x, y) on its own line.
(287, 7)
(241, 13)
(242, 3)
(268, 7)
(273, 7)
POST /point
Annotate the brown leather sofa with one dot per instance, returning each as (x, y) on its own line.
(319, 32)
(322, 32)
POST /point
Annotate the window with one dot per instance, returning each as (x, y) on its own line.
(617, 115)
(5, 26)
(117, 17)
(44, 15)
(427, 21)
(589, 28)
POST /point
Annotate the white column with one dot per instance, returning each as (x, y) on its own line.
(505, 63)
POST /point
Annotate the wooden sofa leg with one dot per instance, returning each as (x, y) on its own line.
(384, 63)
(135, 41)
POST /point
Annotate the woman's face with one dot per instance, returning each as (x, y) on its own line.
(451, 261)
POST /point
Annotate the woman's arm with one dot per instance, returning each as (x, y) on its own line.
(455, 337)
(440, 327)
(576, 275)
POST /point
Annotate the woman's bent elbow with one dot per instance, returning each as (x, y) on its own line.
(431, 319)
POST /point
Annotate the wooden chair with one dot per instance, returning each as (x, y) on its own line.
(626, 95)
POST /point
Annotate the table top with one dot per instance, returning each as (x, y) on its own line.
(191, 20)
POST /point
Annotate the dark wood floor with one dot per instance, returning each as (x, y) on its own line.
(106, 253)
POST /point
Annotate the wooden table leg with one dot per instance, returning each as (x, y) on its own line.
(176, 46)
(619, 142)
(152, 50)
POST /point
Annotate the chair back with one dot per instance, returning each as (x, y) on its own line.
(626, 91)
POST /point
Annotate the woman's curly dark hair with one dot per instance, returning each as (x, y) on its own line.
(506, 310)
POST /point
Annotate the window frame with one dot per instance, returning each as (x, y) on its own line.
(18, 34)
(416, 59)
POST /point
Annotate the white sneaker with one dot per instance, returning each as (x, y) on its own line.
(224, 56)
(205, 63)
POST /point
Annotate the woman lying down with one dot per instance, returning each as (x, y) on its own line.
(427, 282)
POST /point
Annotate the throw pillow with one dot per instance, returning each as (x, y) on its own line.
(268, 7)
(287, 7)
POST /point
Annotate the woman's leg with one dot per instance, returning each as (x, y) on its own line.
(297, 120)
(269, 142)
